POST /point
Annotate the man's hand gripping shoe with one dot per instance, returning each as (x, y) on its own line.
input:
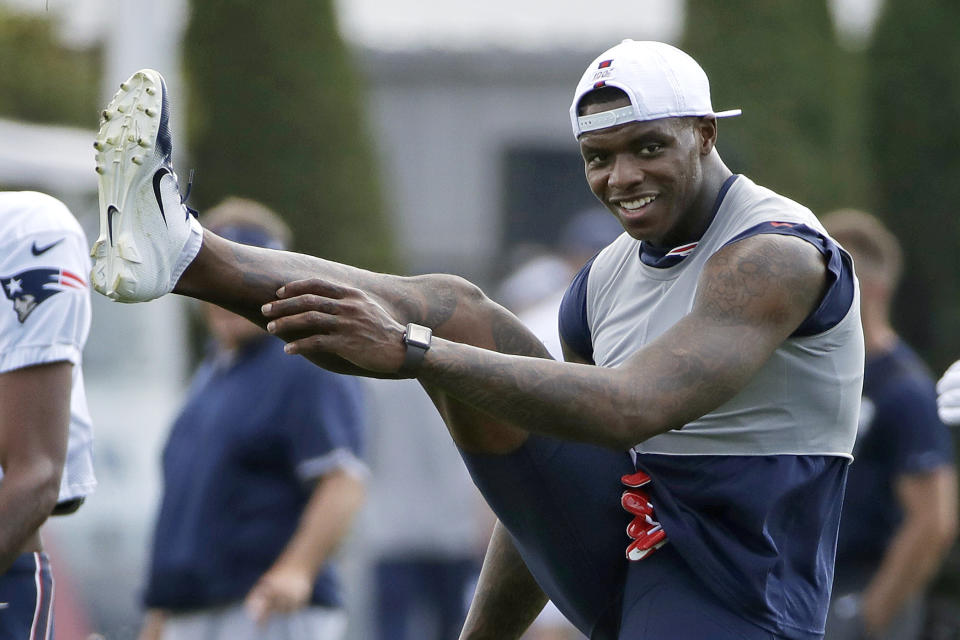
(647, 534)
(147, 235)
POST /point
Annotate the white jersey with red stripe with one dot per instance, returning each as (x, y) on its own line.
(45, 310)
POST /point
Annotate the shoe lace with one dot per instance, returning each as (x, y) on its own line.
(185, 196)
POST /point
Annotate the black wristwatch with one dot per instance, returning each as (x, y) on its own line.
(417, 341)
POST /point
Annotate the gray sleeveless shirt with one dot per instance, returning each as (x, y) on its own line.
(804, 400)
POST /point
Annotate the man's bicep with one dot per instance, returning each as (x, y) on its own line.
(36, 413)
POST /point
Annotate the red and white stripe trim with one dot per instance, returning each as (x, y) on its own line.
(70, 279)
(682, 250)
(42, 626)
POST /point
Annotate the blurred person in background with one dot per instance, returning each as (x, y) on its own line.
(900, 509)
(425, 525)
(46, 438)
(262, 479)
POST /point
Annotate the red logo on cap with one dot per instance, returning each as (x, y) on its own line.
(605, 64)
(597, 85)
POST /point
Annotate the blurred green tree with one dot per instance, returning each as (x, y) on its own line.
(800, 93)
(275, 114)
(43, 81)
(914, 93)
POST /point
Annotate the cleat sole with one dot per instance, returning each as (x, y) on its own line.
(122, 141)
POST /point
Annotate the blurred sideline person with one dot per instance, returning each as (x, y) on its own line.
(714, 366)
(900, 510)
(262, 479)
(425, 525)
(46, 439)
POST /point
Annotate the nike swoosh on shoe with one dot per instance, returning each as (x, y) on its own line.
(157, 177)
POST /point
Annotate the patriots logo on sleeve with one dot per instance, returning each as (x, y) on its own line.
(29, 288)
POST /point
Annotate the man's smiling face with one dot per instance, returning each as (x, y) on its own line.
(648, 174)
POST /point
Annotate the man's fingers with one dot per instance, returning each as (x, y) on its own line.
(312, 285)
(302, 325)
(311, 344)
(300, 304)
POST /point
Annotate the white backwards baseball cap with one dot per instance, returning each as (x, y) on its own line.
(660, 80)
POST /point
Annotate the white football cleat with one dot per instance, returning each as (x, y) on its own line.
(148, 236)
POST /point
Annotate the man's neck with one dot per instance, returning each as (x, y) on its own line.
(715, 173)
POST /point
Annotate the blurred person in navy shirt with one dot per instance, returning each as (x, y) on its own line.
(900, 509)
(262, 478)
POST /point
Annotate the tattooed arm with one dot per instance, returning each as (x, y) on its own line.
(751, 296)
(242, 278)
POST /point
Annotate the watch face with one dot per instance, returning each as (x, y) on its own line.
(419, 335)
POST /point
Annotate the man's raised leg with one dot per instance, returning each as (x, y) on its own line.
(150, 245)
(243, 278)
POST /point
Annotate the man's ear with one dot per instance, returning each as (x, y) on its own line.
(706, 128)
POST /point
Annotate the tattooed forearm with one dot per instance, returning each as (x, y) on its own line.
(661, 388)
(577, 402)
(748, 304)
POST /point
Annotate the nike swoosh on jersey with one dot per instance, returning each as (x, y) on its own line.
(157, 177)
(39, 251)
